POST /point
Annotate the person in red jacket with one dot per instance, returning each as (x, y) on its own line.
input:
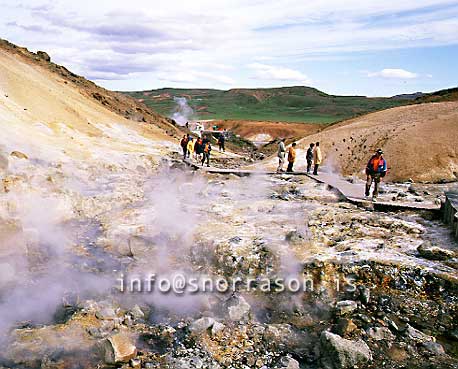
(375, 170)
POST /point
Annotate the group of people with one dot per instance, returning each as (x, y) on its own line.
(376, 167)
(198, 149)
(313, 157)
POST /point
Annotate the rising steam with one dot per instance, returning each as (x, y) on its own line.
(183, 112)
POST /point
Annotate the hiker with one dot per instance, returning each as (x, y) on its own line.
(291, 157)
(207, 151)
(190, 148)
(187, 125)
(184, 145)
(221, 141)
(199, 148)
(375, 170)
(317, 158)
(281, 155)
(309, 157)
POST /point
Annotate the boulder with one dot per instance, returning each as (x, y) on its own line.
(340, 353)
(431, 252)
(119, 349)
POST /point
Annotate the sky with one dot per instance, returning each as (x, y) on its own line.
(373, 48)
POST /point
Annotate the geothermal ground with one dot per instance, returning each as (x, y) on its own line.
(72, 232)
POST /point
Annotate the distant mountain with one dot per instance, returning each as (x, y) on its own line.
(285, 104)
(413, 96)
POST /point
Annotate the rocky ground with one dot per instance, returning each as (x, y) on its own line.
(381, 292)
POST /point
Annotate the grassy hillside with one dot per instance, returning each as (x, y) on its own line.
(450, 94)
(286, 104)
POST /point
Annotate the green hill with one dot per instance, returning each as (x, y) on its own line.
(286, 104)
(450, 94)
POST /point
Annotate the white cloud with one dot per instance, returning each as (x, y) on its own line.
(393, 73)
(275, 73)
(210, 42)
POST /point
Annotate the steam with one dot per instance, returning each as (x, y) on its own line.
(183, 112)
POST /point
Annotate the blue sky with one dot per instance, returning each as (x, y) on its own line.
(374, 48)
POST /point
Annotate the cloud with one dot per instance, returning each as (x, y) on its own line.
(279, 36)
(393, 74)
(276, 73)
(30, 27)
(195, 77)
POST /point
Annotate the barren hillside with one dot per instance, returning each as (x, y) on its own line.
(14, 56)
(47, 116)
(420, 142)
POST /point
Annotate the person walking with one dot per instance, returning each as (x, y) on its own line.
(184, 145)
(291, 157)
(375, 170)
(199, 149)
(317, 158)
(309, 157)
(281, 155)
(221, 142)
(206, 154)
(190, 148)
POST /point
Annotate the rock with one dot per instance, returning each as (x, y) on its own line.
(287, 362)
(340, 353)
(44, 56)
(217, 328)
(346, 307)
(201, 325)
(239, 311)
(430, 252)
(295, 237)
(434, 348)
(345, 327)
(119, 349)
(286, 338)
(19, 155)
(137, 312)
(139, 247)
(106, 314)
(135, 363)
(380, 333)
(416, 335)
(365, 294)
